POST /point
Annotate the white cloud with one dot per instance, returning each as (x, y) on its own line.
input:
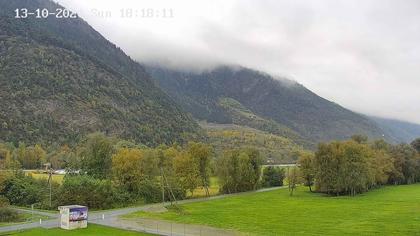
(364, 55)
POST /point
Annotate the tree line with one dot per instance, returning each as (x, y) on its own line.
(104, 172)
(355, 166)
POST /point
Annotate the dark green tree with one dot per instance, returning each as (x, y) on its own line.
(239, 170)
(416, 144)
(406, 164)
(96, 156)
(273, 176)
(201, 154)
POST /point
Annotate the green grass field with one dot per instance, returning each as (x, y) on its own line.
(392, 210)
(91, 230)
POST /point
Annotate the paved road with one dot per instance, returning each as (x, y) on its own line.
(45, 224)
(43, 213)
(110, 217)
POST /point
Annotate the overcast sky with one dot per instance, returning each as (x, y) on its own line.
(361, 54)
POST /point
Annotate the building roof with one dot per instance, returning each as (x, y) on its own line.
(71, 206)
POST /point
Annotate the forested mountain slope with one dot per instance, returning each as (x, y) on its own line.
(246, 97)
(400, 131)
(273, 148)
(60, 79)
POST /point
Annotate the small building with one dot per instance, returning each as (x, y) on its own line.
(73, 216)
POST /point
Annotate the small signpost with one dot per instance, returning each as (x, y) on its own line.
(73, 216)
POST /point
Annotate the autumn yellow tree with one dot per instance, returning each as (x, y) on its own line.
(306, 166)
(185, 169)
(128, 169)
(201, 154)
(31, 157)
(4, 156)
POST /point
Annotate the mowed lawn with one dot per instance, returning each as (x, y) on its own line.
(92, 230)
(391, 210)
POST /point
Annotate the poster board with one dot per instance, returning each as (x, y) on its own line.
(73, 217)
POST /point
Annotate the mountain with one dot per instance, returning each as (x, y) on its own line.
(247, 97)
(400, 131)
(60, 79)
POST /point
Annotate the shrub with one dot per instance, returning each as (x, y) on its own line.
(4, 202)
(150, 191)
(8, 215)
(24, 190)
(86, 190)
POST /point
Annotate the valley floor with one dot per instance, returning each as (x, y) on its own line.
(391, 210)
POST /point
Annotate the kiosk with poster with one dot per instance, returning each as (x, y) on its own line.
(73, 216)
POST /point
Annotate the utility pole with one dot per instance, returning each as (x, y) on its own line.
(50, 172)
(171, 193)
(50, 194)
(288, 177)
(163, 186)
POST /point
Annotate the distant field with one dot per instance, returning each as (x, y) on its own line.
(392, 210)
(92, 229)
(55, 178)
(213, 189)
